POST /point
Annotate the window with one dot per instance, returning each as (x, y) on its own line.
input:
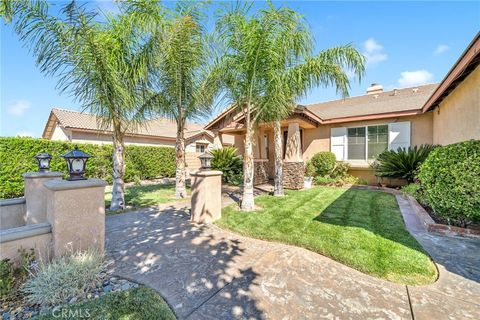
(356, 143)
(366, 142)
(377, 140)
(200, 148)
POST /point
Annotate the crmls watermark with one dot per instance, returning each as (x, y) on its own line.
(71, 314)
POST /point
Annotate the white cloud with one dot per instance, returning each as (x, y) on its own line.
(18, 107)
(414, 78)
(24, 134)
(374, 52)
(441, 48)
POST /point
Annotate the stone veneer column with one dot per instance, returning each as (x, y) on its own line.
(35, 195)
(293, 166)
(76, 212)
(206, 200)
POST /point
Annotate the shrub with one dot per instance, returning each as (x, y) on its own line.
(402, 163)
(16, 157)
(64, 278)
(450, 182)
(340, 170)
(323, 162)
(415, 190)
(7, 278)
(227, 161)
(339, 181)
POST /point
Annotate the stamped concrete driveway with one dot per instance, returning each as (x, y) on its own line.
(205, 272)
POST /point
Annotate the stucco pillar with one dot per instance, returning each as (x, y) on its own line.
(293, 151)
(76, 212)
(217, 140)
(35, 195)
(206, 200)
(261, 143)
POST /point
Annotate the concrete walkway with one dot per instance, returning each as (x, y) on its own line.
(205, 272)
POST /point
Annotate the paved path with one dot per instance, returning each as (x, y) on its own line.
(208, 273)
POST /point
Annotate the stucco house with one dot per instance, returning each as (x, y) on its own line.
(68, 125)
(357, 129)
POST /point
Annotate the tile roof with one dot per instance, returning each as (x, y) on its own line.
(160, 127)
(407, 99)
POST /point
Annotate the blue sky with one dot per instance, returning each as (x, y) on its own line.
(406, 43)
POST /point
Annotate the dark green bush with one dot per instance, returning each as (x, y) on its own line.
(323, 162)
(402, 163)
(17, 156)
(227, 161)
(450, 180)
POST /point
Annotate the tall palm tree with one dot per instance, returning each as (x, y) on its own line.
(185, 78)
(293, 70)
(246, 50)
(103, 61)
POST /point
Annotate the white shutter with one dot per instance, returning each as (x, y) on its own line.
(398, 135)
(338, 143)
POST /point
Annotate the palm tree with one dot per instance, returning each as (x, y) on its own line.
(246, 52)
(103, 61)
(185, 78)
(293, 70)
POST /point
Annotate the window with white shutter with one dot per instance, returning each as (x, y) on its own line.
(338, 143)
(398, 135)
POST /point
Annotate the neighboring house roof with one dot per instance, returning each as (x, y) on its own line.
(468, 61)
(396, 101)
(160, 127)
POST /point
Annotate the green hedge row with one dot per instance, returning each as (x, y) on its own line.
(17, 156)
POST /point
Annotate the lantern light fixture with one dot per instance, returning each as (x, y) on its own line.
(76, 164)
(206, 160)
(43, 161)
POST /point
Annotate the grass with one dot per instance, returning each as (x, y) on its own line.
(360, 228)
(139, 303)
(145, 196)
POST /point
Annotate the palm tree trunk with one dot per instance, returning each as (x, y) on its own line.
(180, 191)
(248, 202)
(278, 180)
(118, 191)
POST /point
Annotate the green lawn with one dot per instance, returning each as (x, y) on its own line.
(139, 303)
(360, 228)
(144, 196)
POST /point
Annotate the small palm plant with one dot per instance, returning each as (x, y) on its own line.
(227, 161)
(402, 163)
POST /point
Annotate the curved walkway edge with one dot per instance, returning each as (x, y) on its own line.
(205, 272)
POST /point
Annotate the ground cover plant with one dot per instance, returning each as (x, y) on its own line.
(133, 304)
(360, 228)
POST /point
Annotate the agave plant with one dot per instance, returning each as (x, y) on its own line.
(227, 161)
(402, 163)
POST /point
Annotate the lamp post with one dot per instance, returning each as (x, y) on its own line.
(206, 160)
(76, 163)
(43, 161)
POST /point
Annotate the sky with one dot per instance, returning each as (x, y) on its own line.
(406, 44)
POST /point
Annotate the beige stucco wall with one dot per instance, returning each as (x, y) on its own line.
(12, 214)
(318, 139)
(60, 134)
(40, 243)
(87, 137)
(458, 116)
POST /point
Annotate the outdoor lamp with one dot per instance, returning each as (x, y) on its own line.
(43, 161)
(206, 160)
(76, 161)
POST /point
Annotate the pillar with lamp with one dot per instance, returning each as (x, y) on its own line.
(76, 163)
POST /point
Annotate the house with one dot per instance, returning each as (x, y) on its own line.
(357, 129)
(68, 125)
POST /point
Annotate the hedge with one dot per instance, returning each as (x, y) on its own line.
(450, 180)
(17, 156)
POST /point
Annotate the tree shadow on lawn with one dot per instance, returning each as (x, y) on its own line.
(187, 264)
(147, 195)
(378, 214)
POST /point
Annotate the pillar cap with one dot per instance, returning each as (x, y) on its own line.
(58, 185)
(48, 174)
(206, 173)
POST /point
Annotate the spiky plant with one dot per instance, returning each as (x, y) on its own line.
(402, 163)
(227, 161)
